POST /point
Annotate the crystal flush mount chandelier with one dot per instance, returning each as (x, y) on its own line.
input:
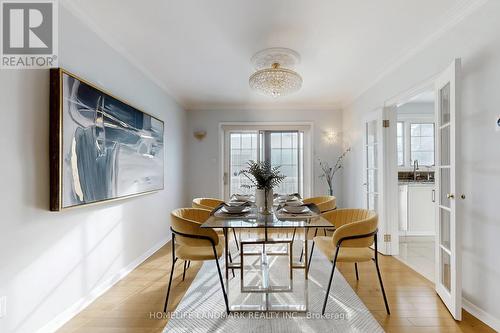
(275, 75)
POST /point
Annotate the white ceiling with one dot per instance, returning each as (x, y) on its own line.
(200, 50)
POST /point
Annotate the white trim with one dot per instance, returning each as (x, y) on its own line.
(453, 19)
(264, 107)
(65, 316)
(480, 314)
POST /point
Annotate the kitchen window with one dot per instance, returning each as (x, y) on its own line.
(422, 143)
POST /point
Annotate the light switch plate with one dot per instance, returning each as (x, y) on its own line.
(3, 306)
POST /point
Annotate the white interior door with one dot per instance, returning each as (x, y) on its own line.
(448, 251)
(373, 176)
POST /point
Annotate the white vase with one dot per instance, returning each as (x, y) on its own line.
(260, 201)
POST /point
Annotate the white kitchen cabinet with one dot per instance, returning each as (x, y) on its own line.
(403, 208)
(417, 212)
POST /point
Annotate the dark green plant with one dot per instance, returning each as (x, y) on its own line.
(262, 176)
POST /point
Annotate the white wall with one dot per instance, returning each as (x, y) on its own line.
(204, 155)
(51, 260)
(477, 41)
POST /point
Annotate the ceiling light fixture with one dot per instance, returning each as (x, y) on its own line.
(275, 75)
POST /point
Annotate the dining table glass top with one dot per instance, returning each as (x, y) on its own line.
(274, 220)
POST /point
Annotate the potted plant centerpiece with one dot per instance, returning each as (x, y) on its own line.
(263, 178)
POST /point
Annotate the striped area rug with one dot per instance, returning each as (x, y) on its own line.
(202, 308)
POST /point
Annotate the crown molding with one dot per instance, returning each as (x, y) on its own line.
(114, 44)
(452, 19)
(263, 107)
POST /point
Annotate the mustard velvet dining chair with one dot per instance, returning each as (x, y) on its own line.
(191, 242)
(355, 231)
(325, 204)
(210, 204)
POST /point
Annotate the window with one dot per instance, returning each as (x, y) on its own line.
(279, 147)
(422, 143)
(285, 150)
(243, 148)
(401, 143)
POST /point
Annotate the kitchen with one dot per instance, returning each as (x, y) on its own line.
(416, 209)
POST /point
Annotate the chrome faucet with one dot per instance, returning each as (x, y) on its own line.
(415, 168)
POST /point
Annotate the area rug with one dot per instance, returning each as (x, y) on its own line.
(202, 309)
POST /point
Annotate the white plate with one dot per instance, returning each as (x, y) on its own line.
(296, 210)
(294, 203)
(242, 197)
(235, 210)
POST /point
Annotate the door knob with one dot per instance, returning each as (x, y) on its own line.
(462, 196)
(450, 196)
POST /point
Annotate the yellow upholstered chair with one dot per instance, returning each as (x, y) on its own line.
(191, 242)
(355, 232)
(324, 203)
(206, 203)
(210, 204)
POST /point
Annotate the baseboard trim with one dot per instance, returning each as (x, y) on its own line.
(480, 314)
(65, 316)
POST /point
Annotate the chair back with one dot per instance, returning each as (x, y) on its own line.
(353, 223)
(188, 221)
(206, 203)
(324, 203)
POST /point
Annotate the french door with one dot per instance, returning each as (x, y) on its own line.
(448, 251)
(372, 143)
(280, 147)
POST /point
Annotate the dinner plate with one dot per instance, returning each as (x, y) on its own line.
(296, 210)
(235, 210)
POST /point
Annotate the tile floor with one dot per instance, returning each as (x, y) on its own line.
(418, 253)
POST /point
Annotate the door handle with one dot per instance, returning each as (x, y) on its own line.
(462, 197)
(450, 196)
(433, 195)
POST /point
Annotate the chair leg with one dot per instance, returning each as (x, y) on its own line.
(169, 284)
(310, 257)
(174, 259)
(184, 271)
(236, 240)
(312, 250)
(356, 269)
(230, 260)
(380, 277)
(330, 282)
(301, 254)
(221, 281)
(189, 263)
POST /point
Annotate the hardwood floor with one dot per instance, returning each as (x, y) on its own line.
(134, 304)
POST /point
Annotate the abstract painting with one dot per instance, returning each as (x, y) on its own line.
(101, 147)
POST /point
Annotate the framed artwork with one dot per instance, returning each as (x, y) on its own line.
(101, 148)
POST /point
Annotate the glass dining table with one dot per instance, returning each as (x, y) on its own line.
(280, 231)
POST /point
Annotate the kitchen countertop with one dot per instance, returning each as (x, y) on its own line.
(415, 182)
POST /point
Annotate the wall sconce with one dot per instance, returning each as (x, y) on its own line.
(330, 136)
(200, 135)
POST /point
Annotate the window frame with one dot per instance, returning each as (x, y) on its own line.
(306, 156)
(420, 136)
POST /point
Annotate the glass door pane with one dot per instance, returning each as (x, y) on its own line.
(284, 149)
(371, 166)
(242, 149)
